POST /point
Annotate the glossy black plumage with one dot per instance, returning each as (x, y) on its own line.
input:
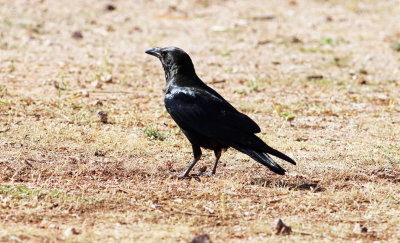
(205, 117)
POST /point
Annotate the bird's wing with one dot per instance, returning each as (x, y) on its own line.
(208, 114)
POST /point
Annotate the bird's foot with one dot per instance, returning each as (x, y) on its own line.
(183, 176)
(209, 174)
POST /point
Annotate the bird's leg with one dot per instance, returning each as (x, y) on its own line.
(217, 153)
(196, 155)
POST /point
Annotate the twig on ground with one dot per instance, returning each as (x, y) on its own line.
(6, 130)
(109, 91)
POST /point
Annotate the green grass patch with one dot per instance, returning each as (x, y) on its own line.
(395, 46)
(153, 134)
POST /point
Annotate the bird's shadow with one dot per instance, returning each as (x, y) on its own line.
(196, 177)
(302, 186)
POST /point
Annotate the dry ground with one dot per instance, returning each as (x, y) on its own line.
(66, 176)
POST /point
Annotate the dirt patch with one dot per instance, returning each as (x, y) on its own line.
(319, 77)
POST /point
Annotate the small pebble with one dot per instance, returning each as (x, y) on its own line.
(77, 35)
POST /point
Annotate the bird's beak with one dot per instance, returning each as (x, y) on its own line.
(155, 51)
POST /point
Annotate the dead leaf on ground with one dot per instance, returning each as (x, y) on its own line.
(281, 228)
(311, 77)
(103, 116)
(264, 17)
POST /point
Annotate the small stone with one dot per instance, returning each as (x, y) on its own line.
(48, 43)
(219, 28)
(13, 238)
(359, 228)
(202, 169)
(97, 84)
(110, 28)
(77, 35)
(71, 231)
(83, 93)
(110, 7)
(295, 40)
(362, 81)
(201, 239)
(107, 79)
(98, 103)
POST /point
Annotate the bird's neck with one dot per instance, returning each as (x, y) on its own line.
(170, 71)
(181, 76)
(183, 80)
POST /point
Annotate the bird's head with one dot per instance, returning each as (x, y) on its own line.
(174, 60)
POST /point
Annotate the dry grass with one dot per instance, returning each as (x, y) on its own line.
(61, 167)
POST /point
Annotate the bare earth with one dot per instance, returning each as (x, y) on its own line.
(320, 77)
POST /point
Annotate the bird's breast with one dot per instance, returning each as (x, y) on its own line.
(179, 92)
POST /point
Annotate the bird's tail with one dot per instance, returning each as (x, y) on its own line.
(264, 159)
(280, 155)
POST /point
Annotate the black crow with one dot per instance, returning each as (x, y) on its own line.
(206, 118)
